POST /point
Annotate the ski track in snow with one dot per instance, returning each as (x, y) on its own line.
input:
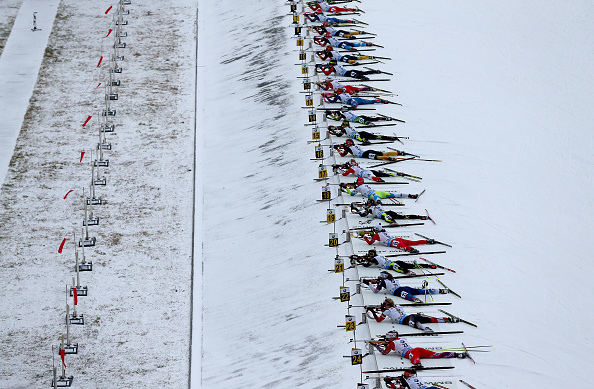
(264, 326)
(501, 91)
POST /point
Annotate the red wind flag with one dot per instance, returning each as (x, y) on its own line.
(71, 190)
(109, 9)
(109, 32)
(75, 295)
(62, 246)
(82, 154)
(62, 355)
(100, 60)
(86, 121)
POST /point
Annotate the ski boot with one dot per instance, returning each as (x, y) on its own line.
(461, 355)
(444, 291)
(413, 196)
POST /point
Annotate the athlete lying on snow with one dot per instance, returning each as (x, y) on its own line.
(329, 54)
(331, 84)
(395, 313)
(367, 191)
(319, 16)
(349, 147)
(362, 136)
(376, 209)
(345, 114)
(401, 347)
(373, 258)
(345, 98)
(325, 7)
(391, 284)
(408, 380)
(380, 235)
(352, 167)
(347, 45)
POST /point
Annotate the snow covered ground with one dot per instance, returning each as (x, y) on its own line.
(500, 91)
(19, 67)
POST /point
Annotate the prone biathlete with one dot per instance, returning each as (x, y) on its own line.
(391, 284)
(345, 98)
(376, 209)
(395, 313)
(325, 7)
(329, 54)
(347, 45)
(367, 191)
(373, 258)
(362, 136)
(401, 347)
(330, 83)
(345, 114)
(349, 147)
(328, 31)
(319, 16)
(380, 235)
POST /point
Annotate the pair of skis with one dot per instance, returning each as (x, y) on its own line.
(393, 225)
(436, 241)
(456, 317)
(438, 266)
(395, 159)
(404, 175)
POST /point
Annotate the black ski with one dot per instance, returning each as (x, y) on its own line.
(419, 195)
(439, 266)
(424, 253)
(402, 305)
(379, 71)
(377, 89)
(429, 333)
(391, 118)
(456, 317)
(376, 125)
(468, 354)
(418, 275)
(467, 384)
(436, 241)
(391, 161)
(359, 63)
(393, 225)
(388, 183)
(385, 142)
(451, 291)
(401, 174)
(430, 218)
(411, 367)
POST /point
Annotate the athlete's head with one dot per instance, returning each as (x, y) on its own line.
(392, 335)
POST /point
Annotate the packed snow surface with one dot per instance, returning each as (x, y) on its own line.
(500, 91)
